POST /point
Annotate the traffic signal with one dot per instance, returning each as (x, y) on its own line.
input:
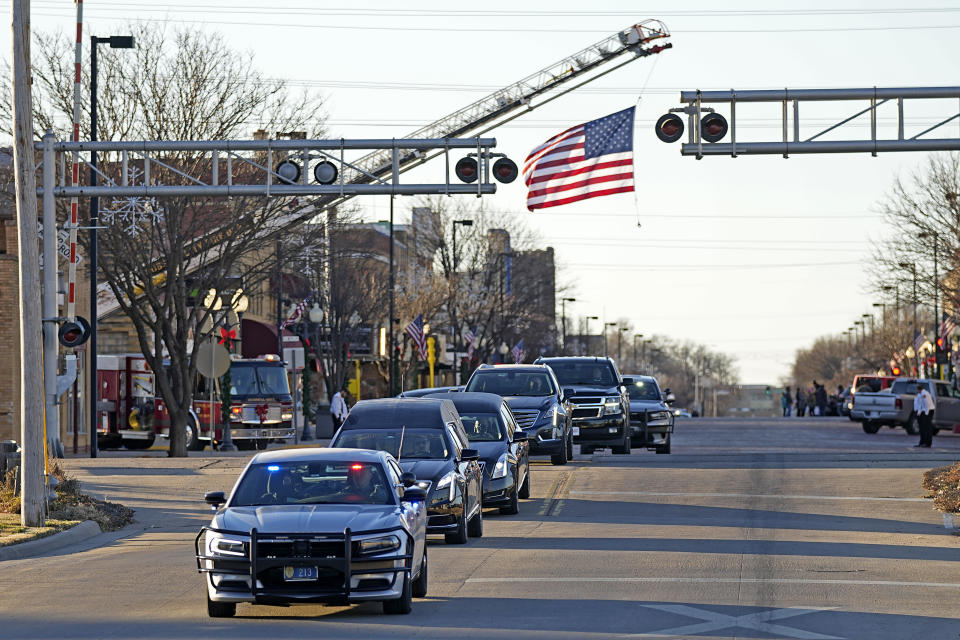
(669, 127)
(505, 170)
(325, 172)
(768, 391)
(74, 334)
(467, 170)
(941, 352)
(713, 127)
(288, 172)
(895, 370)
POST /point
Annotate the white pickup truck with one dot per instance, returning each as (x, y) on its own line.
(893, 407)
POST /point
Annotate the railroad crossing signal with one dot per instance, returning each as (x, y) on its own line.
(74, 333)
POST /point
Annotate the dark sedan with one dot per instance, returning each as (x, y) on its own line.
(651, 420)
(427, 438)
(503, 448)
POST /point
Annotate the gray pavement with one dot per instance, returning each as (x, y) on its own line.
(794, 528)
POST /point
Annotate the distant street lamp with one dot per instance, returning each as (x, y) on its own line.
(636, 362)
(883, 313)
(870, 317)
(936, 288)
(503, 350)
(584, 347)
(235, 300)
(619, 336)
(312, 328)
(563, 320)
(913, 268)
(605, 325)
(453, 258)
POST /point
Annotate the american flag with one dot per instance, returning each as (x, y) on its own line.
(918, 340)
(585, 161)
(469, 337)
(297, 312)
(517, 351)
(415, 331)
(946, 328)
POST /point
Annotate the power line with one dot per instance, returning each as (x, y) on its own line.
(473, 29)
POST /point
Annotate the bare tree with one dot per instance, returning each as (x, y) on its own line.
(178, 84)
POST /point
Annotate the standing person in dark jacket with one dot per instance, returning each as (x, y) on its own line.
(821, 395)
(786, 400)
(801, 406)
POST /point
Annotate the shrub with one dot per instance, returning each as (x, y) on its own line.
(944, 482)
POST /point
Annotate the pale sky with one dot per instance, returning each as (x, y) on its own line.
(753, 256)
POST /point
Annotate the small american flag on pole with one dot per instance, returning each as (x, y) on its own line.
(517, 351)
(946, 328)
(297, 312)
(469, 337)
(585, 161)
(415, 331)
(918, 340)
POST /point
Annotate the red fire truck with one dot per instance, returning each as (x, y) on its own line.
(131, 415)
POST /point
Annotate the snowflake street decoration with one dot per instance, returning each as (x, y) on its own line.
(134, 211)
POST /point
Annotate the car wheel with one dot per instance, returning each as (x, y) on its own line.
(261, 444)
(870, 427)
(665, 447)
(221, 609)
(911, 426)
(194, 443)
(514, 506)
(420, 584)
(460, 535)
(403, 604)
(570, 448)
(560, 458)
(525, 488)
(475, 525)
(244, 444)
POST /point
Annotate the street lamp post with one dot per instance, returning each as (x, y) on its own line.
(235, 300)
(868, 316)
(453, 279)
(636, 362)
(863, 332)
(605, 325)
(115, 42)
(619, 336)
(563, 320)
(314, 328)
(587, 327)
(936, 289)
(913, 337)
(453, 258)
(883, 313)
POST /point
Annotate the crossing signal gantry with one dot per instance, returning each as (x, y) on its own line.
(704, 140)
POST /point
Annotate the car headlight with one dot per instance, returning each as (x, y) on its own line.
(374, 546)
(658, 415)
(220, 546)
(286, 416)
(500, 470)
(611, 405)
(446, 482)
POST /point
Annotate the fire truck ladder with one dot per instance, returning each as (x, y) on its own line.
(537, 89)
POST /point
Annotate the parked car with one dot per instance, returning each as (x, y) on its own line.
(868, 383)
(419, 393)
(680, 413)
(538, 405)
(503, 447)
(598, 397)
(316, 525)
(893, 407)
(427, 438)
(651, 420)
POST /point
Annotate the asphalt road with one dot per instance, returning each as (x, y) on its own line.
(794, 528)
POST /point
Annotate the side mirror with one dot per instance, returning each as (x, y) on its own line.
(469, 454)
(408, 479)
(414, 494)
(520, 436)
(567, 393)
(669, 398)
(214, 498)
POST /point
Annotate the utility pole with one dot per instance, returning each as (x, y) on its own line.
(32, 503)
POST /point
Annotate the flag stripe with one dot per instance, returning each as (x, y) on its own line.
(596, 166)
(585, 187)
(592, 194)
(563, 135)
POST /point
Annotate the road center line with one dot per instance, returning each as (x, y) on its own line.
(582, 579)
(742, 495)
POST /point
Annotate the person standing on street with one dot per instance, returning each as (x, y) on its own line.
(923, 406)
(785, 401)
(338, 407)
(820, 393)
(800, 402)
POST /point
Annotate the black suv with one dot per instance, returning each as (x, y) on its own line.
(598, 397)
(651, 420)
(537, 402)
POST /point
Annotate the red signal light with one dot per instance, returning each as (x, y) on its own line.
(669, 127)
(505, 170)
(356, 467)
(939, 343)
(895, 371)
(467, 170)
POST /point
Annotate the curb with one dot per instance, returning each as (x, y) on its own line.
(80, 533)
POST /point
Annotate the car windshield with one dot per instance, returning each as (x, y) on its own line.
(482, 427)
(512, 383)
(641, 390)
(427, 444)
(347, 482)
(267, 380)
(576, 373)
